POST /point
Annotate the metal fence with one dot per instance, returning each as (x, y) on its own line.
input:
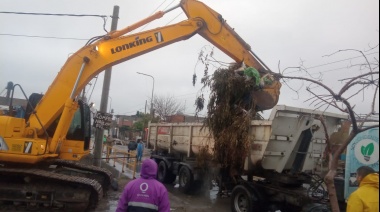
(127, 159)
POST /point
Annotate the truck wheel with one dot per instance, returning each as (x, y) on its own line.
(162, 171)
(164, 175)
(242, 199)
(185, 179)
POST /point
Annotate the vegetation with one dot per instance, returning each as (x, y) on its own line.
(230, 110)
(165, 106)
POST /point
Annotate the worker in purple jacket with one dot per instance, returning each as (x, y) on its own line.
(145, 194)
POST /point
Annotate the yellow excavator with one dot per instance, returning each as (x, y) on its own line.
(39, 153)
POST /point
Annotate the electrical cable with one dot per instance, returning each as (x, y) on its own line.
(53, 14)
(2, 92)
(334, 62)
(152, 14)
(158, 7)
(37, 36)
(174, 18)
(331, 70)
(169, 4)
(94, 39)
(104, 17)
(340, 61)
(93, 87)
(134, 111)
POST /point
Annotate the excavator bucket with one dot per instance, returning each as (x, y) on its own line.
(268, 97)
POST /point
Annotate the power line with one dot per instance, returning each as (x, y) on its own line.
(93, 87)
(169, 4)
(2, 92)
(85, 39)
(317, 66)
(331, 70)
(104, 17)
(53, 14)
(174, 18)
(334, 62)
(134, 111)
(38, 36)
(158, 7)
(152, 14)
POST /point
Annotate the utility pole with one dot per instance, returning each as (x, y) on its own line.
(151, 100)
(146, 102)
(105, 94)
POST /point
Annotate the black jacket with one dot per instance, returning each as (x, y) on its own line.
(132, 145)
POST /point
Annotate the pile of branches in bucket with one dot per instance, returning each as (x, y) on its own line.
(231, 108)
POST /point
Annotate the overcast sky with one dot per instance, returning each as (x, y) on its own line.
(287, 31)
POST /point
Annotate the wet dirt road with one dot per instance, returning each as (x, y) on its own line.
(179, 202)
(207, 201)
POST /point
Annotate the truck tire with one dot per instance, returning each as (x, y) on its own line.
(185, 179)
(242, 199)
(164, 175)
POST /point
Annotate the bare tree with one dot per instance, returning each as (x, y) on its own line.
(366, 82)
(165, 106)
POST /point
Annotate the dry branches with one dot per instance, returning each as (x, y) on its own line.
(230, 110)
(341, 100)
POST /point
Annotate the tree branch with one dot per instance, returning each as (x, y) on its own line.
(332, 102)
(348, 84)
(351, 112)
(358, 92)
(310, 80)
(372, 106)
(328, 144)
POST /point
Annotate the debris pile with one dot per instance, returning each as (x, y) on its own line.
(231, 108)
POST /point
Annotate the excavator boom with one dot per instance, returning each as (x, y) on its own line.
(115, 48)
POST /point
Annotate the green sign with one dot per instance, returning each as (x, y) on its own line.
(362, 151)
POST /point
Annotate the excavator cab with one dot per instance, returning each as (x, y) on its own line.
(78, 137)
(58, 181)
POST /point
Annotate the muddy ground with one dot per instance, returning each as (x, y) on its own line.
(206, 201)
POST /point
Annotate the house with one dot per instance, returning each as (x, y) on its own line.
(180, 118)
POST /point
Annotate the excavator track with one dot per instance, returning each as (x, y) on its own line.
(42, 190)
(103, 176)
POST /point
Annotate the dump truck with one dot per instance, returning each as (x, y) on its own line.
(283, 168)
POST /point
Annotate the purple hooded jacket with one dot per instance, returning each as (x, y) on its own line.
(145, 194)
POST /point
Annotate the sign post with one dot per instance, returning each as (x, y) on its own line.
(102, 120)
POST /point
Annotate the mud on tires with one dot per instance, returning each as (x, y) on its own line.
(242, 200)
(185, 180)
(164, 175)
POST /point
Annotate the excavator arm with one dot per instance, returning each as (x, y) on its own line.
(115, 48)
(216, 30)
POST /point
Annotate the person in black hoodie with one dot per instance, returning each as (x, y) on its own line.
(132, 146)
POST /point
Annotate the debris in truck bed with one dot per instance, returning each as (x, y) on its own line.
(231, 108)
